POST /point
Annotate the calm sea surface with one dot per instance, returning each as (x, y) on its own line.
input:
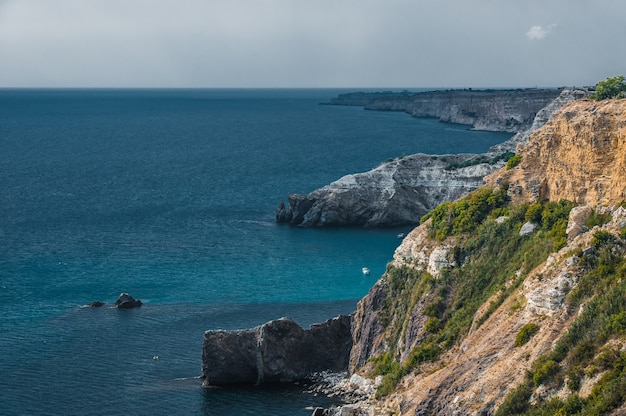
(170, 195)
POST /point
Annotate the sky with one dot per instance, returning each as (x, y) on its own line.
(311, 43)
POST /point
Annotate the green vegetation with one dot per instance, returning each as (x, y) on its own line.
(513, 161)
(497, 254)
(583, 350)
(525, 334)
(454, 218)
(597, 219)
(614, 87)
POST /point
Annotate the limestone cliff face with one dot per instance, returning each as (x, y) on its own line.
(395, 193)
(579, 155)
(494, 110)
(401, 191)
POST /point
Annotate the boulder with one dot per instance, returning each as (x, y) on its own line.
(126, 301)
(527, 228)
(276, 352)
(576, 222)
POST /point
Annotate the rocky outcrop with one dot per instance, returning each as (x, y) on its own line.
(126, 301)
(578, 155)
(394, 193)
(401, 191)
(275, 352)
(493, 110)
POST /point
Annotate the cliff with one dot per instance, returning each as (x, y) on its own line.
(493, 110)
(577, 156)
(476, 317)
(401, 191)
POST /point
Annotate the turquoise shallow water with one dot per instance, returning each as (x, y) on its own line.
(170, 195)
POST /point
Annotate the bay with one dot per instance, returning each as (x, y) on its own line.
(170, 195)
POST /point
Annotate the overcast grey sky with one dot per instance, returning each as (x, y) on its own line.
(310, 43)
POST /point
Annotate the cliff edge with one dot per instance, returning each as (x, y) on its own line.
(511, 299)
(399, 192)
(578, 155)
(510, 110)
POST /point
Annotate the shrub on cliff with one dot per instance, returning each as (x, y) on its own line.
(463, 216)
(513, 161)
(614, 87)
(587, 347)
(525, 334)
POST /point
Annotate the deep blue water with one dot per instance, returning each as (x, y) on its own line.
(170, 195)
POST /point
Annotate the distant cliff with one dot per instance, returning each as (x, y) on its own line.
(401, 191)
(492, 110)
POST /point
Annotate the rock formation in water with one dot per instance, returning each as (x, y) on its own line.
(126, 301)
(579, 155)
(278, 351)
(401, 191)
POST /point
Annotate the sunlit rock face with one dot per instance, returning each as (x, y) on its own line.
(579, 155)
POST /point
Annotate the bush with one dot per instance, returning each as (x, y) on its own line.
(453, 218)
(597, 219)
(601, 238)
(533, 213)
(613, 87)
(546, 372)
(432, 325)
(525, 334)
(513, 161)
(516, 402)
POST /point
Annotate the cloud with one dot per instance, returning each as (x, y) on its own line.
(539, 32)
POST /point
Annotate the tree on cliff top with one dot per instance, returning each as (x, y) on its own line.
(614, 87)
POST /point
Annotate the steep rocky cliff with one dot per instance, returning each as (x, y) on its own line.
(493, 110)
(401, 191)
(474, 316)
(578, 155)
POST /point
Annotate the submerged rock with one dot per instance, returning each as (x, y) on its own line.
(126, 301)
(276, 352)
(94, 304)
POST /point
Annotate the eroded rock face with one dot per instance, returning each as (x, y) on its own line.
(578, 156)
(275, 352)
(401, 191)
(395, 193)
(494, 110)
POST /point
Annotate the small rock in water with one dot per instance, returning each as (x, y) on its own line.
(126, 301)
(94, 304)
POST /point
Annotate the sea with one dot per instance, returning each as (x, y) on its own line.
(170, 195)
